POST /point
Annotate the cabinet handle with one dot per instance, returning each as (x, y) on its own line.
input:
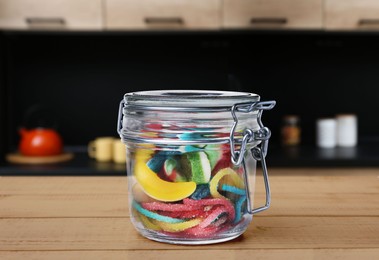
(268, 20)
(164, 20)
(43, 22)
(365, 22)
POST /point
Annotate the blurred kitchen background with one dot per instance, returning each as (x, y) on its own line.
(71, 61)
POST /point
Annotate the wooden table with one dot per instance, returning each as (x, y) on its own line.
(315, 214)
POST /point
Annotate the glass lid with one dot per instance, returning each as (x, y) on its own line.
(188, 98)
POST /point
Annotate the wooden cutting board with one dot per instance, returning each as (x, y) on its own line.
(22, 159)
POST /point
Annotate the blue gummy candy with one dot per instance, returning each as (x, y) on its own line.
(238, 208)
(202, 191)
(190, 148)
(156, 163)
(233, 189)
(190, 136)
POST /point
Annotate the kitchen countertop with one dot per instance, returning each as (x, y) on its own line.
(365, 155)
(315, 214)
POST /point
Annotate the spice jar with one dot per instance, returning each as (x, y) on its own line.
(291, 131)
(191, 161)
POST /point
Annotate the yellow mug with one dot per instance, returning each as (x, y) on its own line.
(101, 149)
(119, 151)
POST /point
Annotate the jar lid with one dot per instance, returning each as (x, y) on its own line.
(291, 119)
(171, 116)
(187, 99)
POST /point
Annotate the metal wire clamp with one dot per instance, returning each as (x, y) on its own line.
(263, 135)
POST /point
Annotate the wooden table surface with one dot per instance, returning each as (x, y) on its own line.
(315, 214)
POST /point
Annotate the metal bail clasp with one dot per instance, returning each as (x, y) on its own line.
(249, 135)
(263, 134)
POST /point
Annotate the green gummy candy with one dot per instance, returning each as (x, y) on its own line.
(184, 168)
(214, 154)
(200, 167)
(169, 165)
(181, 174)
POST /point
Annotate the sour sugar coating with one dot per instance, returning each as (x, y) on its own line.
(218, 211)
(205, 232)
(154, 215)
(211, 202)
(177, 227)
(200, 167)
(200, 213)
(191, 205)
(170, 206)
(185, 197)
(207, 214)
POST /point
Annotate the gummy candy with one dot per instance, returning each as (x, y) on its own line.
(185, 197)
(157, 188)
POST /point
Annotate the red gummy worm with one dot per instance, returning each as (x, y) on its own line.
(210, 202)
(170, 207)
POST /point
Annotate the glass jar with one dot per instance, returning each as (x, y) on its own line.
(191, 161)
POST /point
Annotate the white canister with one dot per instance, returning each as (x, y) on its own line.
(347, 130)
(326, 133)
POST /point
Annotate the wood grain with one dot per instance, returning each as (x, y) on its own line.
(119, 234)
(226, 254)
(22, 159)
(315, 214)
(311, 195)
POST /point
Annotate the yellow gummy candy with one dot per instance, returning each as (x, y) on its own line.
(177, 227)
(154, 186)
(226, 172)
(139, 194)
(148, 224)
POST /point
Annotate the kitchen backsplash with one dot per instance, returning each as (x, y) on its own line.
(79, 78)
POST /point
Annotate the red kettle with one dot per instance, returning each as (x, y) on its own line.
(40, 142)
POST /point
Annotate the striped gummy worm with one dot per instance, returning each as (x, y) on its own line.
(171, 207)
(154, 215)
(205, 232)
(211, 202)
(224, 173)
(213, 216)
(186, 214)
(238, 205)
(177, 227)
(233, 189)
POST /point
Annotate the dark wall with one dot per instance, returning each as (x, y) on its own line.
(75, 81)
(3, 98)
